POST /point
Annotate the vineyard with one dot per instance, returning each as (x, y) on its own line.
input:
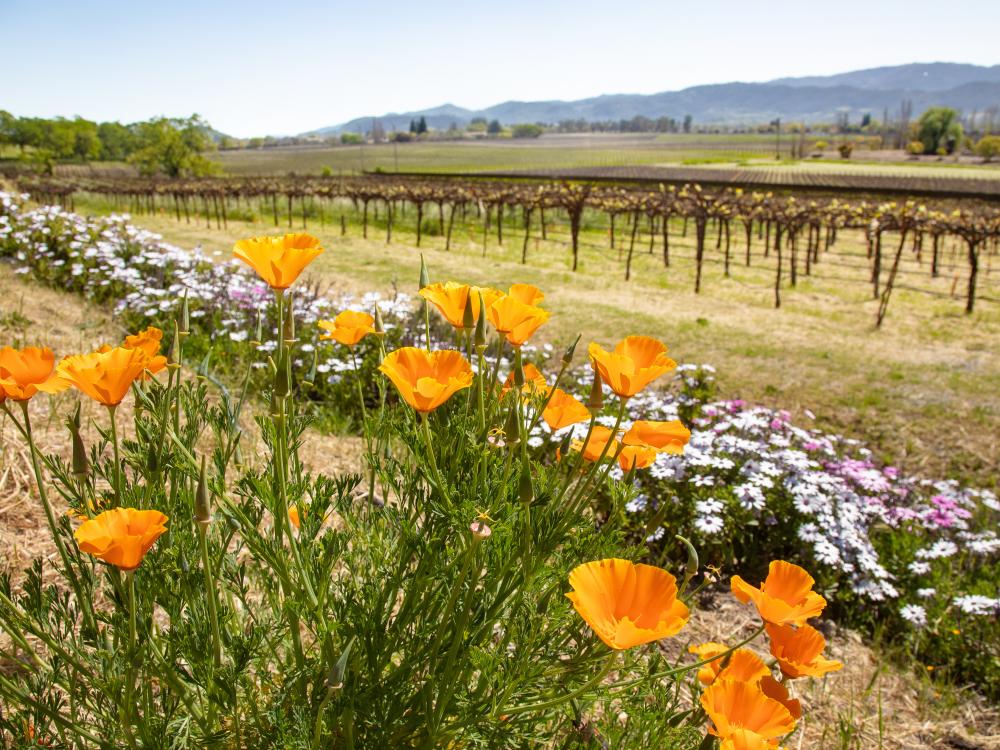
(794, 237)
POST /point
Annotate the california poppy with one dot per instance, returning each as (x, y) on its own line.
(107, 375)
(799, 651)
(516, 320)
(733, 705)
(669, 437)
(627, 604)
(708, 672)
(150, 342)
(600, 436)
(774, 689)
(426, 379)
(636, 457)
(563, 410)
(348, 328)
(25, 372)
(534, 381)
(278, 260)
(744, 739)
(526, 293)
(635, 362)
(121, 536)
(785, 597)
(451, 298)
(744, 665)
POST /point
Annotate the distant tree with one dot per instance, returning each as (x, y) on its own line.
(401, 137)
(988, 147)
(686, 127)
(846, 149)
(494, 128)
(351, 139)
(939, 128)
(117, 141)
(526, 130)
(866, 120)
(915, 148)
(413, 126)
(174, 147)
(422, 125)
(256, 142)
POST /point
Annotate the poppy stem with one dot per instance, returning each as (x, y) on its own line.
(112, 412)
(127, 708)
(584, 688)
(435, 474)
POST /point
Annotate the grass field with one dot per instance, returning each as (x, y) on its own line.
(924, 391)
(580, 150)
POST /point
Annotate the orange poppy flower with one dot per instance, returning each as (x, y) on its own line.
(669, 437)
(627, 604)
(744, 739)
(526, 293)
(278, 260)
(635, 362)
(636, 457)
(744, 665)
(25, 372)
(516, 320)
(148, 341)
(599, 437)
(107, 375)
(562, 410)
(733, 705)
(534, 381)
(450, 298)
(348, 328)
(708, 672)
(121, 536)
(785, 597)
(774, 689)
(426, 380)
(799, 651)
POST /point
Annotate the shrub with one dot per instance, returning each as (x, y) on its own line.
(846, 149)
(526, 130)
(988, 147)
(915, 148)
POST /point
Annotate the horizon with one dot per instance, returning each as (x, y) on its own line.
(227, 68)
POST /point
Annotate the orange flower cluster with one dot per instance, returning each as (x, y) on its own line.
(425, 379)
(515, 314)
(25, 372)
(635, 363)
(748, 707)
(640, 444)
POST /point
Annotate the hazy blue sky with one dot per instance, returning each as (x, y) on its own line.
(287, 66)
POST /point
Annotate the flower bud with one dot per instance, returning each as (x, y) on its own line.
(175, 349)
(81, 464)
(567, 358)
(596, 400)
(258, 333)
(525, 493)
(283, 376)
(425, 277)
(183, 319)
(311, 378)
(512, 429)
(468, 318)
(202, 503)
(288, 325)
(518, 369)
(379, 324)
(480, 339)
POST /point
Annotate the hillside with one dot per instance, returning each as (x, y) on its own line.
(812, 99)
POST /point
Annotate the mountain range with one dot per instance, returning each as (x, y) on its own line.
(810, 99)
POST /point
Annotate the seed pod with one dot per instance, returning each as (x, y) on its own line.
(518, 369)
(202, 502)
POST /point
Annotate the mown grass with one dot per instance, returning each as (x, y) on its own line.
(924, 390)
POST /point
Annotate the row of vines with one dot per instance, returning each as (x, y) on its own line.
(797, 231)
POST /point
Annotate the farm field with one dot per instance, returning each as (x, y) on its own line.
(558, 151)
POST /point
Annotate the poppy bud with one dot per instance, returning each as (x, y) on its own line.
(81, 464)
(425, 277)
(283, 376)
(691, 570)
(335, 678)
(518, 368)
(183, 319)
(596, 401)
(175, 349)
(480, 339)
(153, 459)
(379, 325)
(512, 430)
(524, 490)
(567, 358)
(258, 334)
(468, 319)
(202, 503)
(311, 379)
